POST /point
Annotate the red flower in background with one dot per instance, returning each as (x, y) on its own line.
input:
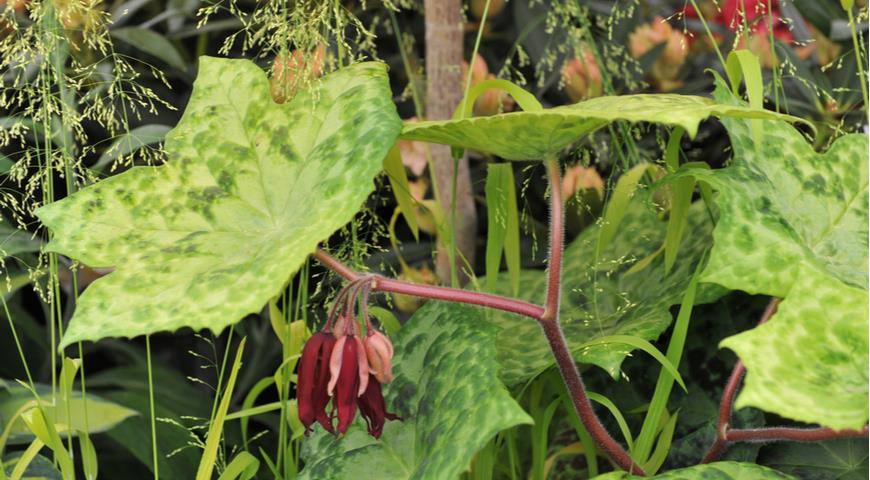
(337, 365)
(730, 14)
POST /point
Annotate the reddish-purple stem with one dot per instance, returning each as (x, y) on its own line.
(793, 434)
(557, 237)
(383, 284)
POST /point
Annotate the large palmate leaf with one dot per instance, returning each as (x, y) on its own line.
(536, 134)
(600, 299)
(809, 362)
(784, 205)
(446, 389)
(793, 223)
(712, 471)
(250, 187)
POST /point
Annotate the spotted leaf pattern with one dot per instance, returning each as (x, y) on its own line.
(809, 362)
(249, 190)
(445, 362)
(534, 135)
(793, 224)
(601, 298)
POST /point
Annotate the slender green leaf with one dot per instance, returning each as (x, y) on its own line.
(399, 184)
(662, 447)
(152, 43)
(90, 466)
(640, 344)
(503, 230)
(243, 467)
(617, 415)
(680, 201)
(216, 426)
(665, 381)
(131, 141)
(617, 205)
(102, 414)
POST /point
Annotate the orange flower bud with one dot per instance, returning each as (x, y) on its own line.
(379, 351)
(289, 72)
(664, 72)
(582, 77)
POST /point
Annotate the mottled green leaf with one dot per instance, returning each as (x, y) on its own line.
(809, 362)
(446, 389)
(249, 190)
(783, 205)
(793, 223)
(532, 135)
(712, 471)
(600, 299)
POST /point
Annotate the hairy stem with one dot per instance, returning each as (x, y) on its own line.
(792, 434)
(383, 284)
(557, 237)
(574, 384)
(553, 330)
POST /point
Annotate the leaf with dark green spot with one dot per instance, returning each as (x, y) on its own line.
(444, 365)
(599, 297)
(809, 362)
(249, 190)
(712, 471)
(533, 135)
(793, 224)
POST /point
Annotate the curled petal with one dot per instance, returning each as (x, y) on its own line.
(363, 366)
(373, 409)
(335, 362)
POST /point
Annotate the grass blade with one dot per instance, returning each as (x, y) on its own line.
(209, 454)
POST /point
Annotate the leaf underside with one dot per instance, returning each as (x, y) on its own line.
(249, 190)
(535, 135)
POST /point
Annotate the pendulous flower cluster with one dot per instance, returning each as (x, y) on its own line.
(337, 364)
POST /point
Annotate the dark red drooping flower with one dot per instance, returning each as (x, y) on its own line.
(373, 409)
(349, 377)
(313, 379)
(338, 365)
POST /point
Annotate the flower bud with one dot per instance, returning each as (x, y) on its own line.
(379, 352)
(289, 72)
(582, 77)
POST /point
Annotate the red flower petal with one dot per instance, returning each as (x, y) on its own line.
(373, 409)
